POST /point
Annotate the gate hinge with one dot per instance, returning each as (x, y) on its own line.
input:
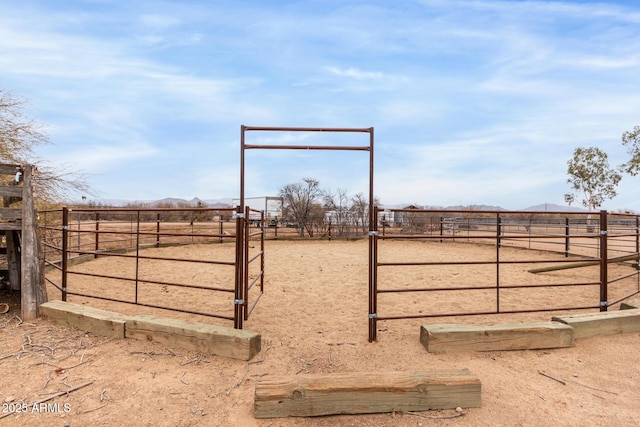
(238, 301)
(240, 215)
(374, 233)
(373, 315)
(604, 303)
(604, 232)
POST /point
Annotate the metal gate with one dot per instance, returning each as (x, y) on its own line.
(245, 260)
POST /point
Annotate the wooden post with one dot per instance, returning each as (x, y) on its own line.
(32, 286)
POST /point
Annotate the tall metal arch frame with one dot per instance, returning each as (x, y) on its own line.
(373, 223)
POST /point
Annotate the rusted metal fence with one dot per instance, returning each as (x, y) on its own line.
(579, 239)
(143, 239)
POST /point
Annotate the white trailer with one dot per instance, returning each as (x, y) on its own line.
(272, 207)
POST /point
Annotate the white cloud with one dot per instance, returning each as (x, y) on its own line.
(355, 73)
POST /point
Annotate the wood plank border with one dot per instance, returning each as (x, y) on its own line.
(365, 392)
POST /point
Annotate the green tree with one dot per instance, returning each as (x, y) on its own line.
(19, 137)
(631, 139)
(590, 174)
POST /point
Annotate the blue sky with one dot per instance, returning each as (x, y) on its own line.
(473, 102)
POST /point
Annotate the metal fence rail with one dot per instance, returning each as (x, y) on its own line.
(71, 236)
(582, 239)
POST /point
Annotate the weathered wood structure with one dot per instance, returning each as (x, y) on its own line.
(365, 393)
(18, 224)
(219, 340)
(438, 338)
(587, 325)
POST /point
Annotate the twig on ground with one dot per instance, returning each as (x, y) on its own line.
(152, 353)
(264, 355)
(552, 378)
(237, 383)
(196, 359)
(182, 379)
(46, 381)
(104, 395)
(94, 409)
(435, 417)
(14, 354)
(596, 389)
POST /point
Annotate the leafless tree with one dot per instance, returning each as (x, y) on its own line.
(340, 215)
(301, 201)
(19, 136)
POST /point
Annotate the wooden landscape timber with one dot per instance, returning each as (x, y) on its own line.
(630, 305)
(454, 337)
(602, 323)
(100, 322)
(581, 264)
(219, 340)
(366, 392)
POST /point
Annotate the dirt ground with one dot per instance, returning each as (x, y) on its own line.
(313, 319)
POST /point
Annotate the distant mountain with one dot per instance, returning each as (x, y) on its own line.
(448, 208)
(475, 208)
(552, 207)
(167, 201)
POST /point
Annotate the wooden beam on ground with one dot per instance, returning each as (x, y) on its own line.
(602, 323)
(220, 340)
(582, 264)
(367, 392)
(453, 337)
(100, 322)
(630, 305)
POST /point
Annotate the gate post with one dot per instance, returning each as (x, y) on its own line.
(566, 238)
(65, 250)
(373, 277)
(603, 261)
(238, 302)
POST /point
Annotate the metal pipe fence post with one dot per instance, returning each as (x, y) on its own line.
(97, 238)
(238, 296)
(566, 239)
(603, 262)
(137, 253)
(498, 231)
(158, 230)
(373, 281)
(65, 249)
(262, 236)
(245, 267)
(79, 242)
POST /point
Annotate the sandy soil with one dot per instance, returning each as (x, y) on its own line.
(313, 319)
